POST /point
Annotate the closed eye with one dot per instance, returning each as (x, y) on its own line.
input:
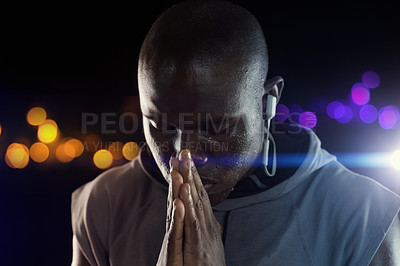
(163, 128)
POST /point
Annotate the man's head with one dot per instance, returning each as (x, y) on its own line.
(202, 84)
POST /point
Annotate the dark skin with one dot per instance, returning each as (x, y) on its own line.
(189, 90)
(184, 77)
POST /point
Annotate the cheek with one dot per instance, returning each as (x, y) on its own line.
(161, 149)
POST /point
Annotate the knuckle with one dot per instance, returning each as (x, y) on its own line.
(196, 224)
(199, 205)
(203, 193)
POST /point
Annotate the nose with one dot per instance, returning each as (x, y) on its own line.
(199, 158)
(191, 142)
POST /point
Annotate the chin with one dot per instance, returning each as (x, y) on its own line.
(218, 197)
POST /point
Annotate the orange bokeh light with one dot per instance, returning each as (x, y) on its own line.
(130, 150)
(36, 116)
(73, 147)
(64, 153)
(102, 159)
(39, 152)
(116, 150)
(47, 131)
(17, 156)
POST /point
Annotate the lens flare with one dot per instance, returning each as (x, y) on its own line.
(36, 116)
(368, 114)
(389, 117)
(308, 119)
(395, 160)
(360, 94)
(103, 159)
(47, 131)
(371, 79)
(39, 152)
(17, 156)
(130, 150)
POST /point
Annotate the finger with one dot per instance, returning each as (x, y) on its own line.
(201, 191)
(176, 181)
(192, 223)
(185, 170)
(175, 237)
(173, 164)
(173, 188)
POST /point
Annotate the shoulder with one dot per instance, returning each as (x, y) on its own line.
(114, 194)
(111, 184)
(345, 214)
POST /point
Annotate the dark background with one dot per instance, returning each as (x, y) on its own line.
(72, 59)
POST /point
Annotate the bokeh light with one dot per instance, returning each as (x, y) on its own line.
(47, 131)
(36, 116)
(130, 150)
(65, 153)
(389, 117)
(17, 156)
(116, 150)
(282, 113)
(1, 130)
(39, 152)
(368, 114)
(371, 79)
(295, 112)
(395, 160)
(92, 143)
(335, 109)
(360, 94)
(346, 116)
(308, 119)
(103, 159)
(73, 147)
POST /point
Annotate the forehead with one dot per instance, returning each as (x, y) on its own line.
(196, 86)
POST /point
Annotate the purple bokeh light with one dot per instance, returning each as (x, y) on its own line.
(335, 109)
(282, 113)
(371, 79)
(389, 117)
(295, 108)
(308, 119)
(346, 115)
(295, 112)
(360, 94)
(368, 114)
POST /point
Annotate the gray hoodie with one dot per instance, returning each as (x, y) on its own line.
(324, 214)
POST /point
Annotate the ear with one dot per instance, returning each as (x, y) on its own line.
(273, 86)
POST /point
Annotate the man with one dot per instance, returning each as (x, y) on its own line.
(197, 194)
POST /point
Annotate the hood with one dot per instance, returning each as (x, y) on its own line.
(315, 159)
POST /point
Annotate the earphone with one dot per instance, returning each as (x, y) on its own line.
(270, 112)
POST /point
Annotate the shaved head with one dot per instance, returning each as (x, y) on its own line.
(204, 33)
(202, 65)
